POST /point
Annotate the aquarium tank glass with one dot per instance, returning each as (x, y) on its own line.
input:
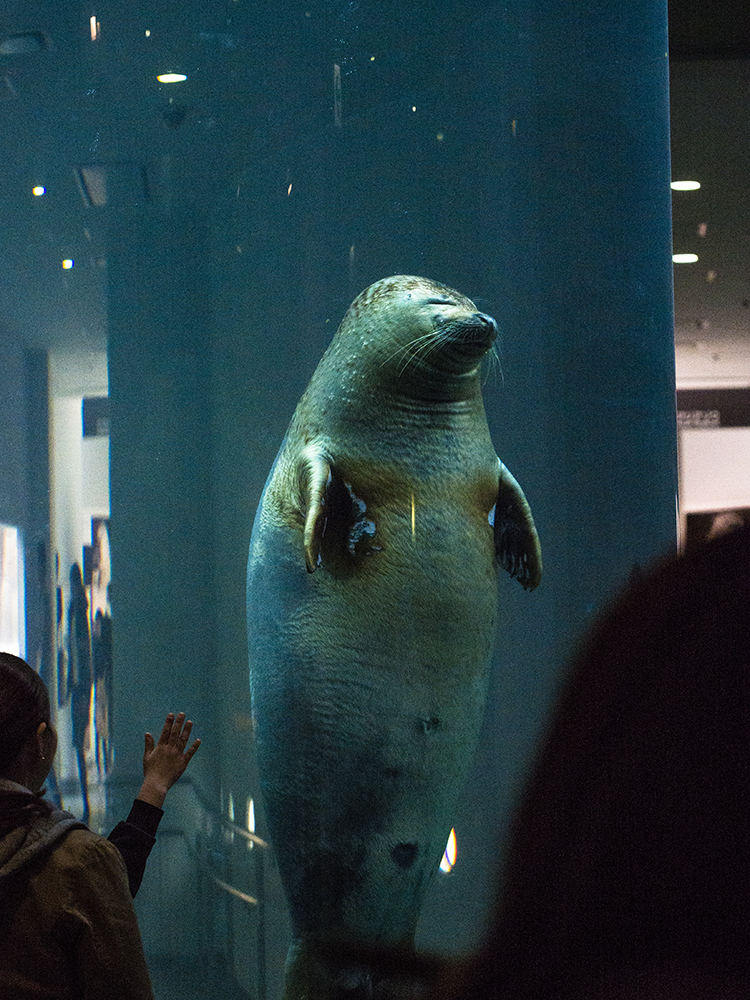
(193, 195)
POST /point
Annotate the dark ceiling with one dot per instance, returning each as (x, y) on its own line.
(710, 98)
(716, 30)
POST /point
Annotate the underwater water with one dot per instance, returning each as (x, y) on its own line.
(219, 228)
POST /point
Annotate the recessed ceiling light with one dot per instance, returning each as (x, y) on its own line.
(39, 190)
(171, 77)
(684, 258)
(685, 185)
(67, 264)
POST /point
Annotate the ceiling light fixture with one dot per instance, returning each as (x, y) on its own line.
(68, 264)
(684, 258)
(685, 185)
(39, 190)
(171, 77)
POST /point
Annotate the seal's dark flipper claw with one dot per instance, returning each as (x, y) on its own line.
(516, 541)
(314, 474)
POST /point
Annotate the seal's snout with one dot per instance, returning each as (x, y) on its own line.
(470, 335)
(481, 330)
(486, 323)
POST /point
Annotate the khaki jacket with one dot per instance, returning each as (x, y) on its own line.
(68, 930)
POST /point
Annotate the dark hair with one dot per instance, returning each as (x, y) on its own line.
(24, 703)
(629, 856)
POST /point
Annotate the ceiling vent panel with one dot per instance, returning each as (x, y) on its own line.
(23, 44)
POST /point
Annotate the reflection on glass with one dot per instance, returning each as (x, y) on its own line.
(83, 709)
(449, 858)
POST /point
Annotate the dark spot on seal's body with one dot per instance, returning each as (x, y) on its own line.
(405, 854)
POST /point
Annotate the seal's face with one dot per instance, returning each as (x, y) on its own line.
(420, 324)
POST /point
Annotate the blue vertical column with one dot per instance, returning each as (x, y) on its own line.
(39, 560)
(161, 531)
(160, 482)
(574, 234)
(586, 247)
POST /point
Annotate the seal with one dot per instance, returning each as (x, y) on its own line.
(372, 603)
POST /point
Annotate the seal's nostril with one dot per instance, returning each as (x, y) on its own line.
(486, 323)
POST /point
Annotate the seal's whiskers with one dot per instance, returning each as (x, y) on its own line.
(426, 342)
(419, 348)
(493, 365)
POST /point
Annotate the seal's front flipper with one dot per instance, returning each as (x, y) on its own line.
(314, 475)
(516, 541)
(334, 518)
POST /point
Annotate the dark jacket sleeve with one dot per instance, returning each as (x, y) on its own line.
(134, 839)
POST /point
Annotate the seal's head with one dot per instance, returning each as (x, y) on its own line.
(414, 325)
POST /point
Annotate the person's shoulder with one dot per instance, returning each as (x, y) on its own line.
(74, 871)
(81, 838)
(81, 848)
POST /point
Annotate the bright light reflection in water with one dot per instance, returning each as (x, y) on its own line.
(68, 264)
(230, 808)
(251, 815)
(449, 858)
(171, 77)
(39, 190)
(685, 185)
